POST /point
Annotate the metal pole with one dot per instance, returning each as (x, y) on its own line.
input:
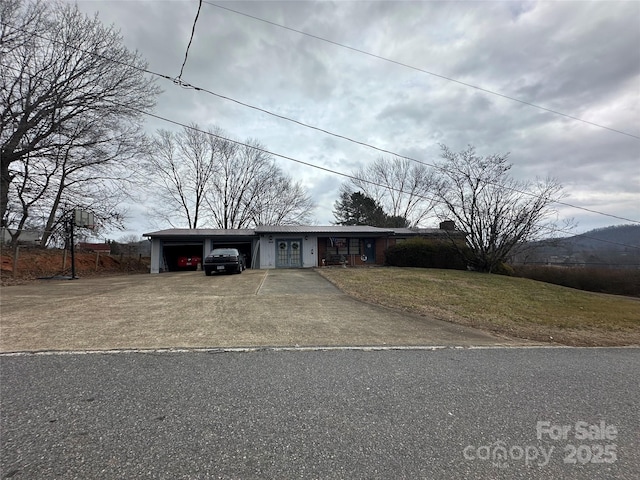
(73, 250)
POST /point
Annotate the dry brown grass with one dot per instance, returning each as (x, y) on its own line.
(517, 307)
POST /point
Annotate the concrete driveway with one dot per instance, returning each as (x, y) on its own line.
(190, 310)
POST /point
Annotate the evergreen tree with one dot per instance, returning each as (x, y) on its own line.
(355, 208)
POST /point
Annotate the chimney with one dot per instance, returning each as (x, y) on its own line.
(448, 225)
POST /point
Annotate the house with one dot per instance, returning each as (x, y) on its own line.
(299, 246)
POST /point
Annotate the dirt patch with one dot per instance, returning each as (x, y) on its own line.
(34, 263)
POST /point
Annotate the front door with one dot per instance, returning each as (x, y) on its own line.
(370, 250)
(289, 253)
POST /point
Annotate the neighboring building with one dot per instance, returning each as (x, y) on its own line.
(96, 247)
(280, 246)
(27, 237)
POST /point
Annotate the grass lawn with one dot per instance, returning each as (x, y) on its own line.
(512, 306)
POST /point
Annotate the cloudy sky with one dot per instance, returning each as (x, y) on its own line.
(578, 58)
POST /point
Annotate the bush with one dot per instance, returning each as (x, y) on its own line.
(504, 269)
(602, 280)
(425, 254)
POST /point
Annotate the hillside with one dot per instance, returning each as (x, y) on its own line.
(516, 307)
(34, 263)
(615, 246)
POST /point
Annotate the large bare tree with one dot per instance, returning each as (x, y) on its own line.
(179, 171)
(70, 95)
(497, 212)
(198, 178)
(403, 188)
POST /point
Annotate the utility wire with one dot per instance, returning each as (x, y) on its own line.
(193, 30)
(201, 89)
(379, 57)
(382, 150)
(328, 170)
(335, 172)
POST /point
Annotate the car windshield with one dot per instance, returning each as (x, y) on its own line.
(216, 252)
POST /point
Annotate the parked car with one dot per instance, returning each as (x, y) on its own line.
(224, 260)
(189, 262)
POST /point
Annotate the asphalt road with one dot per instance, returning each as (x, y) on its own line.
(348, 414)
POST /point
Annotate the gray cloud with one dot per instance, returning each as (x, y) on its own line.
(580, 58)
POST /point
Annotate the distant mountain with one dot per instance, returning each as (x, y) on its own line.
(607, 238)
(615, 246)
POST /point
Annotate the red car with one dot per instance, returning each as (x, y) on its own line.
(189, 262)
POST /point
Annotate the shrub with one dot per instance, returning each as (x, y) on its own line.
(421, 253)
(603, 280)
(504, 269)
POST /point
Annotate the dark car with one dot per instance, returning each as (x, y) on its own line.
(224, 260)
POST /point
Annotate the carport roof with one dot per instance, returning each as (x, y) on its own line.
(200, 232)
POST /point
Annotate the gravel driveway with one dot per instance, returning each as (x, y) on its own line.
(190, 310)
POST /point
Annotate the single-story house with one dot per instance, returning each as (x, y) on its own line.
(278, 246)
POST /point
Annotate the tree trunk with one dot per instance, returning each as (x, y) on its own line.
(5, 182)
(46, 234)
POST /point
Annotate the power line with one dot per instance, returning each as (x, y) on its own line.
(187, 85)
(193, 30)
(335, 172)
(450, 79)
(382, 150)
(328, 170)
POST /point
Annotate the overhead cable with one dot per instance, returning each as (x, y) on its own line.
(193, 30)
(335, 172)
(187, 85)
(421, 70)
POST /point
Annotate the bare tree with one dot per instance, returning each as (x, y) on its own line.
(496, 212)
(180, 168)
(232, 196)
(403, 188)
(280, 201)
(251, 190)
(201, 178)
(67, 83)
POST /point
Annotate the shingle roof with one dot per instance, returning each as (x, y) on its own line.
(335, 229)
(302, 229)
(437, 232)
(199, 232)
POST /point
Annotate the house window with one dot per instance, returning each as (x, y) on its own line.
(343, 246)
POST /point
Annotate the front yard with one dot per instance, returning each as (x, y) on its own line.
(505, 305)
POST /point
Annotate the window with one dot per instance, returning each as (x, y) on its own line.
(354, 246)
(343, 246)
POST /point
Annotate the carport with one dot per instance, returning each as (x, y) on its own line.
(169, 245)
(172, 251)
